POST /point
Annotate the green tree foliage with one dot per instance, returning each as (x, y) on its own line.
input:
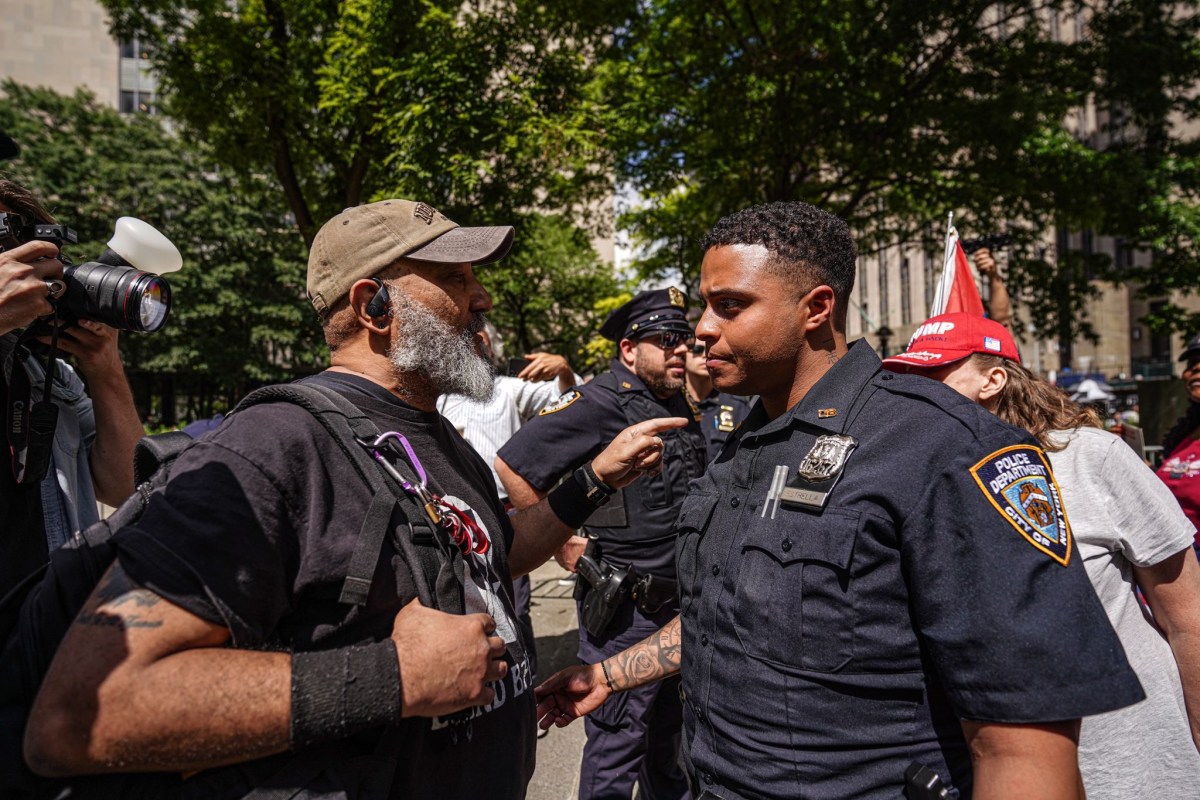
(552, 292)
(240, 316)
(890, 113)
(484, 110)
(481, 109)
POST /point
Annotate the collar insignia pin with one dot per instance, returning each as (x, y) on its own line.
(826, 413)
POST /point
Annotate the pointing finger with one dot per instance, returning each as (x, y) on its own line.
(652, 427)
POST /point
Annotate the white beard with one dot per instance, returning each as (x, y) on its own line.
(449, 359)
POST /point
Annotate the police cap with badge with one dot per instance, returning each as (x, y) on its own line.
(652, 312)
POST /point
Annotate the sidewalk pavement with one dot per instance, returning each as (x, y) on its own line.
(556, 631)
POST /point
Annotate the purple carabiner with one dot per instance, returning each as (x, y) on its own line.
(384, 438)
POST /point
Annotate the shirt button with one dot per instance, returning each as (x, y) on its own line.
(735, 502)
(787, 545)
(698, 710)
(716, 570)
(704, 639)
(708, 778)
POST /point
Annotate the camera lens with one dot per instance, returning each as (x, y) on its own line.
(123, 297)
(154, 304)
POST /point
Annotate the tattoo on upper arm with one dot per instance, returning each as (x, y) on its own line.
(656, 657)
(115, 601)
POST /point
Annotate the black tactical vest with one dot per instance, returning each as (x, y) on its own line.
(638, 525)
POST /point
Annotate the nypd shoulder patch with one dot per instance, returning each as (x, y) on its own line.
(562, 402)
(1018, 482)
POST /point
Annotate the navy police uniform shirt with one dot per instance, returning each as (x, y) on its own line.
(720, 414)
(826, 649)
(638, 526)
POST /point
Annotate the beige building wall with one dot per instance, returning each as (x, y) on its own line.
(60, 44)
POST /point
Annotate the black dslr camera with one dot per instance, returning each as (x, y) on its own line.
(110, 289)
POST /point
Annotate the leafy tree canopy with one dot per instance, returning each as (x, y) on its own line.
(891, 113)
(240, 314)
(481, 109)
(552, 292)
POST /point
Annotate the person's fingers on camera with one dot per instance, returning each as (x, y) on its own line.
(38, 252)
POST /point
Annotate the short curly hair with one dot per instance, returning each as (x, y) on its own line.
(808, 246)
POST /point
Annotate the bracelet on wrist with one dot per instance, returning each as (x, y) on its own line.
(598, 492)
(607, 677)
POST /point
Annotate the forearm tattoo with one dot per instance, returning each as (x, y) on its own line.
(115, 603)
(652, 659)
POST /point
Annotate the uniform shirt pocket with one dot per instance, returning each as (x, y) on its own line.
(795, 597)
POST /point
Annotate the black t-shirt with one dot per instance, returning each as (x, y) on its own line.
(255, 531)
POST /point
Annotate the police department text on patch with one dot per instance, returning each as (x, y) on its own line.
(1018, 482)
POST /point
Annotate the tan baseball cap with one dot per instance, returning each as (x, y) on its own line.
(365, 240)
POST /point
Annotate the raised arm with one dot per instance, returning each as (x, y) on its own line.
(999, 305)
(577, 691)
(118, 427)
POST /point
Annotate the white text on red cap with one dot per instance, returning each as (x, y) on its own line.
(933, 329)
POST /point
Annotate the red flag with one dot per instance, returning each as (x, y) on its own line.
(956, 290)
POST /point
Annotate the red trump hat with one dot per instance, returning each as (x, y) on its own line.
(949, 338)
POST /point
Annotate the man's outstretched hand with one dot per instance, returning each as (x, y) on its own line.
(636, 450)
(569, 694)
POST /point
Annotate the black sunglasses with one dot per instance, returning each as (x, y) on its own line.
(667, 340)
(696, 348)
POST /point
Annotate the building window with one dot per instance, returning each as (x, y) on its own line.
(1087, 245)
(134, 48)
(905, 293)
(1160, 343)
(1124, 254)
(883, 291)
(137, 102)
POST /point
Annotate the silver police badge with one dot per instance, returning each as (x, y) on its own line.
(819, 471)
(827, 457)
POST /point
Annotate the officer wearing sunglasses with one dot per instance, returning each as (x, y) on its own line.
(626, 586)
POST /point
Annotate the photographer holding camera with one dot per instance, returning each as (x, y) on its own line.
(91, 455)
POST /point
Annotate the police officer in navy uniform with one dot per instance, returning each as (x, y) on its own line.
(720, 413)
(880, 596)
(626, 581)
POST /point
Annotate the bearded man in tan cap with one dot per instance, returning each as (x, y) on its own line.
(219, 636)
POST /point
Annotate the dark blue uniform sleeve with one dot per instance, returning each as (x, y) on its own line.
(563, 435)
(997, 587)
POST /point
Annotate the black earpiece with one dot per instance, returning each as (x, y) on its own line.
(381, 303)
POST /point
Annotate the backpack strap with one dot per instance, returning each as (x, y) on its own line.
(152, 452)
(352, 431)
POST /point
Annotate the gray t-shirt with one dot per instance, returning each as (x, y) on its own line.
(1121, 516)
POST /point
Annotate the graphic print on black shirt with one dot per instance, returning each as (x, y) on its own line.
(255, 533)
(485, 591)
